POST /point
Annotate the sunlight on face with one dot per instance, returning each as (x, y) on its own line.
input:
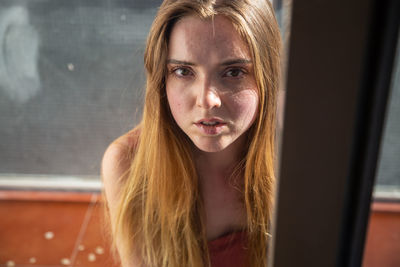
(210, 86)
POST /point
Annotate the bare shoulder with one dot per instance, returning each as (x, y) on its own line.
(116, 163)
(115, 168)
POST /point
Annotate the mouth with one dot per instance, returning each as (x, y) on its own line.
(210, 126)
(210, 122)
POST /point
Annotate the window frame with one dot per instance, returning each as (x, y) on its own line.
(337, 84)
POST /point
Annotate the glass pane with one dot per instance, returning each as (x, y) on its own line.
(71, 80)
(283, 9)
(388, 174)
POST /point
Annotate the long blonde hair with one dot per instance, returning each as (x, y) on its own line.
(159, 216)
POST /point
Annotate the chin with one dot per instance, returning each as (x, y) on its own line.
(209, 149)
(210, 146)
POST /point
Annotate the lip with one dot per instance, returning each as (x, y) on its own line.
(210, 129)
(210, 120)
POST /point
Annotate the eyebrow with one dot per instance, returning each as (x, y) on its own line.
(225, 63)
(179, 62)
(236, 61)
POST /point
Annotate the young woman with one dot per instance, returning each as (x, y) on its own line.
(192, 185)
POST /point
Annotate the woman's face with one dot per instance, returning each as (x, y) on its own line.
(210, 85)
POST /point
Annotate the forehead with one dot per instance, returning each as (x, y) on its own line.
(206, 40)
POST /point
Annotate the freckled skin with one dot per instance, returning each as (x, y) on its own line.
(209, 86)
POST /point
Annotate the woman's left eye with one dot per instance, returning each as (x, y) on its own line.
(234, 73)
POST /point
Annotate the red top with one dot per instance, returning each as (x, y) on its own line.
(229, 250)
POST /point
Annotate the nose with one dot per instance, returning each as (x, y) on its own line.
(208, 96)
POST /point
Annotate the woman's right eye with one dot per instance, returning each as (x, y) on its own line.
(182, 72)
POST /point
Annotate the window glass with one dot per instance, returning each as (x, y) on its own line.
(388, 172)
(283, 10)
(71, 80)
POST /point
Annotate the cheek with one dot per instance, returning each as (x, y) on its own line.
(173, 101)
(246, 105)
(176, 102)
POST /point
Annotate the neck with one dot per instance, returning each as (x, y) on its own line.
(221, 163)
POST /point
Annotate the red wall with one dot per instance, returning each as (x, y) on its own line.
(383, 239)
(76, 220)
